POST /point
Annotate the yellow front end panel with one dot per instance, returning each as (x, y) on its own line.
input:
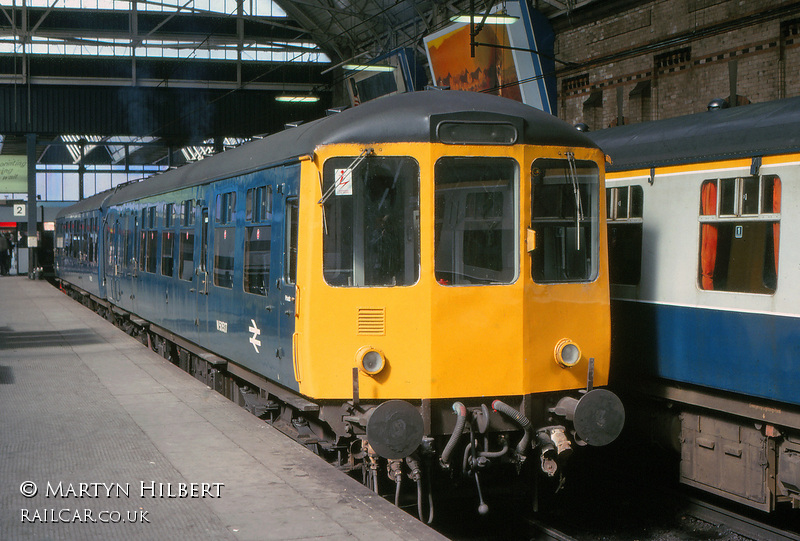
(444, 341)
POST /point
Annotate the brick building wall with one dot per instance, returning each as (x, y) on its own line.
(667, 58)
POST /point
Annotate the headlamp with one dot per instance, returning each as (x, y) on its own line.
(370, 360)
(567, 353)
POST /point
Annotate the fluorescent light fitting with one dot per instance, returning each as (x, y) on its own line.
(367, 67)
(297, 98)
(490, 19)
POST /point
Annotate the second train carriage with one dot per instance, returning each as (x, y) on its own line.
(406, 271)
(703, 215)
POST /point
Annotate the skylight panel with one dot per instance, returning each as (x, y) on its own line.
(256, 8)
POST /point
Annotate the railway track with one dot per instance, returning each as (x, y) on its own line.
(674, 516)
(542, 532)
(739, 524)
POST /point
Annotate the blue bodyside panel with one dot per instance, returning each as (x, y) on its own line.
(747, 353)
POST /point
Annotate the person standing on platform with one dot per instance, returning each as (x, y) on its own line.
(4, 251)
(10, 253)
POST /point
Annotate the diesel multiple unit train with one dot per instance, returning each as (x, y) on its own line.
(703, 213)
(417, 284)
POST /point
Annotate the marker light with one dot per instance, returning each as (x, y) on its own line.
(370, 360)
(567, 353)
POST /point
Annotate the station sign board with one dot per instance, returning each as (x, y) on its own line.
(13, 174)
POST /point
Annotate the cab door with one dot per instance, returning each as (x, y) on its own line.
(287, 288)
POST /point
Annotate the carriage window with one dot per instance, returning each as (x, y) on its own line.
(75, 241)
(168, 212)
(152, 251)
(92, 239)
(85, 240)
(258, 206)
(625, 205)
(130, 243)
(186, 255)
(257, 243)
(476, 221)
(371, 220)
(148, 247)
(256, 259)
(143, 251)
(565, 220)
(167, 252)
(224, 245)
(187, 213)
(226, 204)
(740, 234)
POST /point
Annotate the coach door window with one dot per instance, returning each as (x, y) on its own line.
(565, 220)
(371, 221)
(130, 243)
(625, 205)
(224, 239)
(476, 217)
(257, 243)
(740, 234)
(167, 241)
(148, 248)
(290, 256)
(186, 243)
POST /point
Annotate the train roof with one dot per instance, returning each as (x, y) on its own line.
(759, 129)
(399, 118)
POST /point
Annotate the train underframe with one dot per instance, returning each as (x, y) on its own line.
(741, 449)
(478, 441)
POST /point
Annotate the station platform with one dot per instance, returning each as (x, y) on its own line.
(100, 438)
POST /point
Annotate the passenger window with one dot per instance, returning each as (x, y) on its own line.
(256, 259)
(740, 234)
(565, 220)
(143, 251)
(130, 243)
(625, 205)
(148, 247)
(224, 240)
(167, 252)
(168, 215)
(257, 243)
(186, 255)
(187, 213)
(476, 221)
(226, 204)
(224, 246)
(371, 221)
(152, 251)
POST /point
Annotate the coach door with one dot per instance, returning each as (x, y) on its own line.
(201, 266)
(114, 261)
(287, 289)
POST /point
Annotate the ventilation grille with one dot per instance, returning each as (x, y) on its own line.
(372, 321)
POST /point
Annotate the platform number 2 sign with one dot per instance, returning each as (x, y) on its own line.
(19, 210)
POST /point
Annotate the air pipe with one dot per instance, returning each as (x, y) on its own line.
(461, 411)
(522, 446)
